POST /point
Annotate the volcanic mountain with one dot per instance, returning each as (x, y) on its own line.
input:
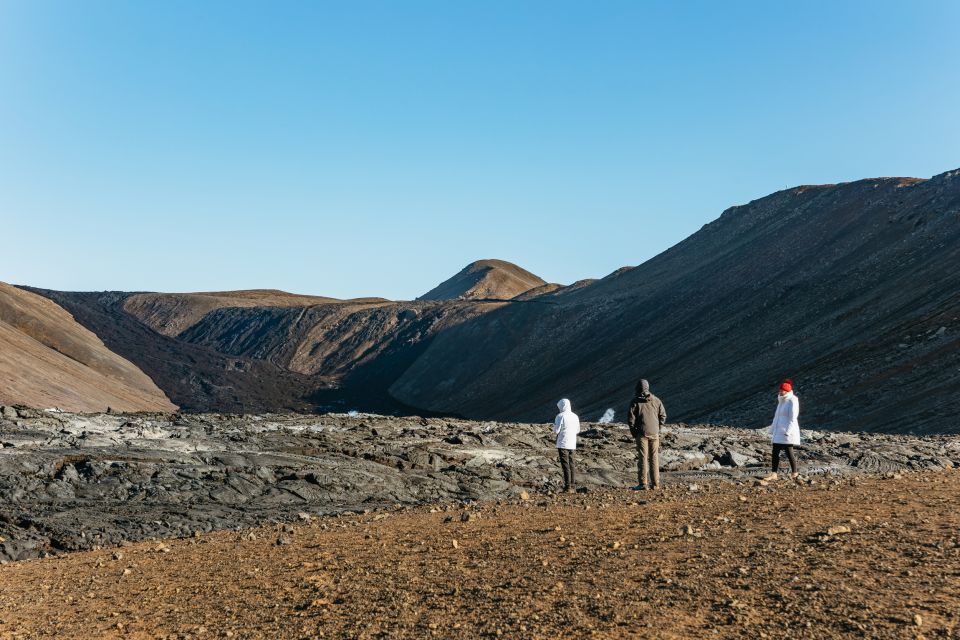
(49, 360)
(486, 280)
(850, 289)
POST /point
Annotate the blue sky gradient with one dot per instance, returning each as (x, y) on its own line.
(375, 148)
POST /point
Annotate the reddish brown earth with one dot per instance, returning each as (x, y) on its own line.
(48, 359)
(725, 560)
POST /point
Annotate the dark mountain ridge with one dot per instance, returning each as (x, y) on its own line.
(851, 289)
(822, 284)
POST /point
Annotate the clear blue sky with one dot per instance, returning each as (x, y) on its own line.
(374, 148)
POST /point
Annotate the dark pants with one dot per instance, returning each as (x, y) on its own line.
(566, 464)
(777, 448)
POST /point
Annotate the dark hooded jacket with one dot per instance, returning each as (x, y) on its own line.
(646, 413)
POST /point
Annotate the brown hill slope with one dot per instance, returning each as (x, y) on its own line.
(851, 289)
(485, 280)
(47, 359)
(172, 313)
(332, 356)
(195, 377)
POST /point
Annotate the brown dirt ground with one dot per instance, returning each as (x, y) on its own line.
(609, 564)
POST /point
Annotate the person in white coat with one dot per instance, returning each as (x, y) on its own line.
(785, 430)
(566, 425)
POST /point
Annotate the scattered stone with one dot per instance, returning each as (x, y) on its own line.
(838, 530)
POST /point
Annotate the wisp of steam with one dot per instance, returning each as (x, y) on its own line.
(607, 416)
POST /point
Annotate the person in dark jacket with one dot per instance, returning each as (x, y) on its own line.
(645, 418)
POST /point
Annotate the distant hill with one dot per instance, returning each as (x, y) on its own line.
(48, 360)
(171, 313)
(485, 280)
(850, 289)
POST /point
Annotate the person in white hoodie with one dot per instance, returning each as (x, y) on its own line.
(566, 425)
(785, 430)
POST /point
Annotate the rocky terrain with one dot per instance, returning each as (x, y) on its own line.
(848, 557)
(48, 359)
(851, 290)
(70, 482)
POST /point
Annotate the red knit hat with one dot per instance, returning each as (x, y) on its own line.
(787, 385)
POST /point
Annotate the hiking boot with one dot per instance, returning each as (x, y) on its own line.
(639, 487)
(795, 476)
(569, 490)
(772, 476)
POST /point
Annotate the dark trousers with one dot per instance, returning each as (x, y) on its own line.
(566, 465)
(788, 448)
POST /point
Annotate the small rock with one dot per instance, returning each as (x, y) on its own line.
(524, 495)
(838, 530)
(283, 541)
(688, 530)
(917, 620)
(468, 516)
(304, 517)
(693, 487)
(615, 545)
(456, 545)
(117, 555)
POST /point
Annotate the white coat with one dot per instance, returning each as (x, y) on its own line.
(785, 428)
(566, 426)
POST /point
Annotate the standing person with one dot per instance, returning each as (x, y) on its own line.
(566, 425)
(645, 418)
(785, 430)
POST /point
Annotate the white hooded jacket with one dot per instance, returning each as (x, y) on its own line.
(566, 426)
(785, 428)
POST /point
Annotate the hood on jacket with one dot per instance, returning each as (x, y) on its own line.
(564, 405)
(643, 388)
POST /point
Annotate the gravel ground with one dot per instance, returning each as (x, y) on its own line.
(842, 557)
